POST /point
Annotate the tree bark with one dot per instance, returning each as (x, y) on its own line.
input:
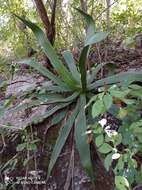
(48, 25)
(108, 15)
(84, 5)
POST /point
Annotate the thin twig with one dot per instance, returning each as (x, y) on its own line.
(105, 10)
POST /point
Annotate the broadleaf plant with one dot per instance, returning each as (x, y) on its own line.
(70, 89)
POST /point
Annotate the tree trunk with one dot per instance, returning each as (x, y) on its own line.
(49, 25)
(108, 15)
(84, 5)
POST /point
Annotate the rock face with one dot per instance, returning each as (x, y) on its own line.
(20, 119)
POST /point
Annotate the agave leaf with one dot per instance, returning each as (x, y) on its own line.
(45, 99)
(50, 52)
(82, 67)
(122, 78)
(94, 73)
(58, 89)
(58, 118)
(49, 113)
(63, 135)
(20, 107)
(71, 65)
(98, 37)
(45, 72)
(91, 36)
(53, 98)
(91, 28)
(81, 139)
(53, 88)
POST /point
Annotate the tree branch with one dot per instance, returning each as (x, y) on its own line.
(43, 15)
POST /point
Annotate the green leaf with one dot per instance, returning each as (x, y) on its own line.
(107, 99)
(135, 87)
(136, 124)
(98, 37)
(122, 78)
(45, 72)
(81, 139)
(32, 147)
(118, 93)
(38, 119)
(50, 52)
(82, 67)
(21, 147)
(105, 148)
(120, 163)
(31, 104)
(63, 135)
(53, 88)
(91, 100)
(121, 183)
(136, 93)
(71, 65)
(54, 98)
(129, 101)
(108, 161)
(94, 72)
(99, 140)
(59, 117)
(98, 108)
(91, 28)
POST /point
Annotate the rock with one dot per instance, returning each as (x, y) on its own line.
(20, 119)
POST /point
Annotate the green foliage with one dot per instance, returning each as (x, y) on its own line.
(77, 86)
(71, 83)
(121, 146)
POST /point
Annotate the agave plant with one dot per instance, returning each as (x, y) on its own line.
(70, 88)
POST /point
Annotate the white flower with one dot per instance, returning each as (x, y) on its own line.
(110, 132)
(116, 156)
(6, 178)
(102, 122)
(107, 128)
